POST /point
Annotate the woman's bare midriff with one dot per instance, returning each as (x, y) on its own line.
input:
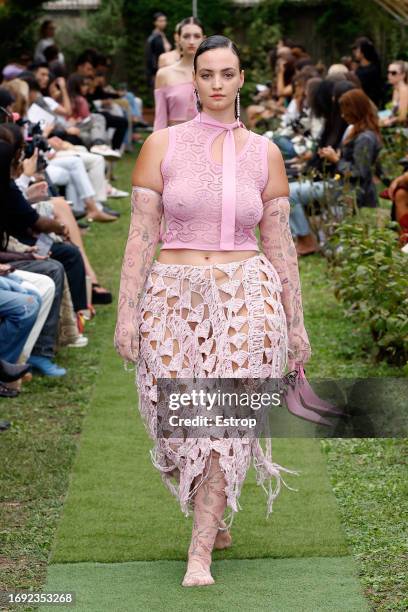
(202, 258)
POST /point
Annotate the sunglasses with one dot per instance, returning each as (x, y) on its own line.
(392, 72)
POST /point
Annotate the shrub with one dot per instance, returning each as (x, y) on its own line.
(369, 275)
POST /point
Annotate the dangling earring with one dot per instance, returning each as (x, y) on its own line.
(198, 101)
(237, 107)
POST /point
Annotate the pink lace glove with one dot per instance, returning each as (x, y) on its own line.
(278, 246)
(143, 238)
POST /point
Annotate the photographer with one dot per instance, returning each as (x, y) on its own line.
(59, 208)
(22, 221)
(47, 275)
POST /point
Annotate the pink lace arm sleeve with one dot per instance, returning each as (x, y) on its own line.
(140, 249)
(278, 246)
(160, 113)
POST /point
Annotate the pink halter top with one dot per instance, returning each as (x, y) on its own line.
(210, 205)
(174, 103)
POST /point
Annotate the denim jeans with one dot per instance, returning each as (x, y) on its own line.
(45, 345)
(301, 194)
(136, 104)
(286, 146)
(19, 308)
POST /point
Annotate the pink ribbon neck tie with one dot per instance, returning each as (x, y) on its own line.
(229, 193)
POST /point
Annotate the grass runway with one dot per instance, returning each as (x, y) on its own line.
(121, 542)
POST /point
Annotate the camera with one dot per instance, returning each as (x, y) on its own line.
(35, 140)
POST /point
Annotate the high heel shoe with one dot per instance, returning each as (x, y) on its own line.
(295, 406)
(313, 401)
(303, 402)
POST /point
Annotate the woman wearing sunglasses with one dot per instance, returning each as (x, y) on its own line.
(397, 77)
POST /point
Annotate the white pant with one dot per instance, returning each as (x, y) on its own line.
(45, 287)
(95, 167)
(70, 171)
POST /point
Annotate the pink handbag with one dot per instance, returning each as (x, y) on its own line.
(303, 402)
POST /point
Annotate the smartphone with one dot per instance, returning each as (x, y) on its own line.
(43, 244)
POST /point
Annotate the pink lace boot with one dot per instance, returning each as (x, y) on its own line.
(209, 506)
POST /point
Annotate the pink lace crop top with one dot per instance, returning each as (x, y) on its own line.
(174, 103)
(209, 205)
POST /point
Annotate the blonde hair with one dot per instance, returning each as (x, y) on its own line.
(337, 69)
(20, 91)
(403, 66)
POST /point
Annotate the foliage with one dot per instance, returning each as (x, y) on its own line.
(369, 273)
(18, 30)
(260, 31)
(104, 31)
(395, 146)
(341, 22)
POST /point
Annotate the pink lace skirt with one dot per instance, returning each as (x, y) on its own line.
(219, 320)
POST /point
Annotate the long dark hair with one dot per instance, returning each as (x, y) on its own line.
(75, 81)
(6, 157)
(367, 48)
(216, 42)
(189, 21)
(325, 105)
(360, 111)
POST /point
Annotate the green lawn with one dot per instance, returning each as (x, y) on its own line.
(37, 454)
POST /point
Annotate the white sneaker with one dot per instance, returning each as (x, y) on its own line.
(117, 193)
(405, 249)
(80, 342)
(106, 151)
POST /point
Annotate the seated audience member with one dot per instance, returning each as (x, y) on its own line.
(19, 90)
(299, 129)
(95, 166)
(6, 99)
(101, 102)
(19, 219)
(85, 65)
(57, 96)
(397, 77)
(47, 276)
(58, 209)
(92, 126)
(337, 69)
(13, 69)
(41, 74)
(354, 161)
(19, 310)
(325, 106)
(43, 341)
(398, 192)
